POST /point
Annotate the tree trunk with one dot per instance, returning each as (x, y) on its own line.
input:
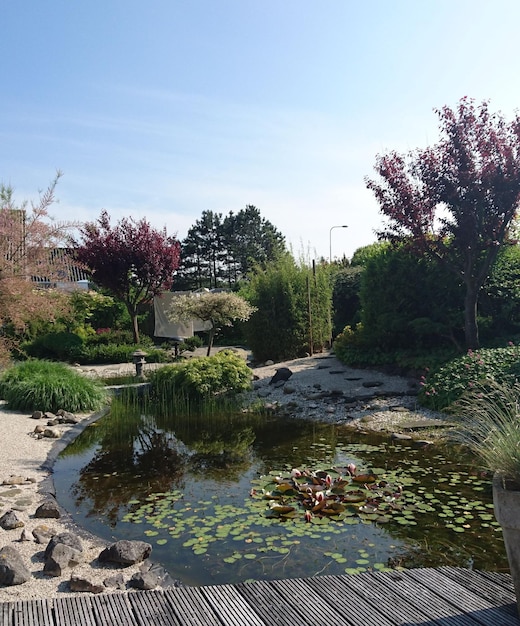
(132, 311)
(211, 336)
(470, 317)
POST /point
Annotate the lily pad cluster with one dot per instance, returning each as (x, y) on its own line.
(336, 493)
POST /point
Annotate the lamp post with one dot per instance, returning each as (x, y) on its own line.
(330, 239)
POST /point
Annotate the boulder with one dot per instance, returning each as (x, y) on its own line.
(12, 569)
(282, 374)
(125, 552)
(48, 510)
(60, 558)
(144, 580)
(79, 583)
(9, 521)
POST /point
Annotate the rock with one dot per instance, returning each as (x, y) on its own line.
(66, 539)
(14, 480)
(372, 383)
(37, 415)
(60, 557)
(49, 416)
(144, 580)
(282, 374)
(48, 510)
(79, 583)
(42, 533)
(269, 362)
(9, 521)
(126, 552)
(115, 582)
(287, 389)
(39, 430)
(12, 569)
(24, 536)
(400, 437)
(52, 433)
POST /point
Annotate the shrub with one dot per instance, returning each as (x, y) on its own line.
(448, 383)
(202, 377)
(61, 346)
(42, 385)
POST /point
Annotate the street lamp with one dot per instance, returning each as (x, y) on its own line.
(330, 240)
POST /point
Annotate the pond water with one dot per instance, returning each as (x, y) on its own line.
(202, 491)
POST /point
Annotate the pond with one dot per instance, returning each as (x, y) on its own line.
(207, 492)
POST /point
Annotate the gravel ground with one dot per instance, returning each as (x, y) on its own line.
(311, 392)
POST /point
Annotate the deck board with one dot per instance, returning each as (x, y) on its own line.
(443, 596)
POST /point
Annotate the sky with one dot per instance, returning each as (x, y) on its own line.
(167, 108)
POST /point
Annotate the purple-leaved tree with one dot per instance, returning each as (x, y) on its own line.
(134, 261)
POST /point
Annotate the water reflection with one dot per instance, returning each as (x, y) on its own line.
(183, 484)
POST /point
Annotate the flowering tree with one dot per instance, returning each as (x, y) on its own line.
(132, 260)
(457, 199)
(28, 235)
(219, 309)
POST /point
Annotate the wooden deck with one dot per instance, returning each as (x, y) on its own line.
(427, 597)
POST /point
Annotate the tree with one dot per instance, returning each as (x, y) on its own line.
(221, 250)
(131, 260)
(28, 236)
(457, 199)
(219, 309)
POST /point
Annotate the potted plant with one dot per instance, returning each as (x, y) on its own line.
(490, 420)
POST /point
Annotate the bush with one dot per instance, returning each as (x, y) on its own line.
(202, 377)
(449, 382)
(61, 346)
(42, 385)
(279, 329)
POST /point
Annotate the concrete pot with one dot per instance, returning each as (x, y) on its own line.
(506, 500)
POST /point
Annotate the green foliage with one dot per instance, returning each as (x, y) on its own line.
(490, 426)
(449, 382)
(345, 298)
(499, 301)
(105, 347)
(218, 309)
(60, 346)
(280, 327)
(409, 302)
(202, 377)
(46, 386)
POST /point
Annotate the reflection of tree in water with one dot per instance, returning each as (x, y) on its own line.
(132, 461)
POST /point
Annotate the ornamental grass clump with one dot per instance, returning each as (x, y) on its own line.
(43, 385)
(490, 426)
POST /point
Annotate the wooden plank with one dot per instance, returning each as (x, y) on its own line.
(32, 613)
(501, 578)
(272, 607)
(487, 588)
(352, 607)
(115, 607)
(191, 606)
(403, 600)
(230, 606)
(6, 613)
(72, 610)
(457, 596)
(299, 595)
(151, 607)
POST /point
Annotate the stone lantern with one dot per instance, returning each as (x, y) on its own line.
(139, 360)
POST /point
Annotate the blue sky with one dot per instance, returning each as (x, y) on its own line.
(166, 108)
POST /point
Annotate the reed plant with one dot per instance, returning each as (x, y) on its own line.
(47, 386)
(489, 415)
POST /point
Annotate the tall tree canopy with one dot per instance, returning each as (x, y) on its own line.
(458, 198)
(221, 250)
(132, 260)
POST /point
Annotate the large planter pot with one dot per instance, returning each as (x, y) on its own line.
(506, 499)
